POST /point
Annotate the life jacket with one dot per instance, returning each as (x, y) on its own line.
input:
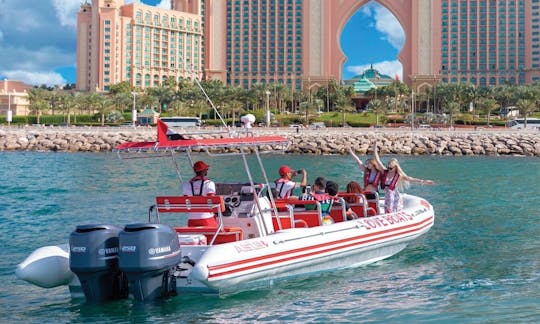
(390, 184)
(376, 179)
(280, 186)
(325, 201)
(200, 178)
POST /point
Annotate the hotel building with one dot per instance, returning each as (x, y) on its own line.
(297, 42)
(14, 97)
(141, 44)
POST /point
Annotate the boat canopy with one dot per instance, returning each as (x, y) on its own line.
(185, 143)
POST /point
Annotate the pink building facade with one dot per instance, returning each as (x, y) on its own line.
(297, 42)
(140, 44)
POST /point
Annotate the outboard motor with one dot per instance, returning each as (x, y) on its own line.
(148, 256)
(94, 259)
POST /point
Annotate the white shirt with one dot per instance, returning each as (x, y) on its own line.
(284, 188)
(209, 187)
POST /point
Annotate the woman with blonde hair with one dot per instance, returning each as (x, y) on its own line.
(373, 171)
(393, 181)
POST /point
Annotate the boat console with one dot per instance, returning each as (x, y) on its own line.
(238, 198)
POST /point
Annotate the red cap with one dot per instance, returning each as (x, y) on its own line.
(284, 170)
(200, 166)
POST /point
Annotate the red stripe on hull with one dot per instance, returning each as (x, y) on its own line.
(308, 251)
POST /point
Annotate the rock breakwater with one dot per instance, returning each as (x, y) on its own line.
(326, 141)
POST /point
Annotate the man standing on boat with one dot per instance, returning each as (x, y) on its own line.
(200, 185)
(285, 185)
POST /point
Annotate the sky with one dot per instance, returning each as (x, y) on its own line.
(38, 40)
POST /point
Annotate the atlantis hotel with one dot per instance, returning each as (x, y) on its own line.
(297, 42)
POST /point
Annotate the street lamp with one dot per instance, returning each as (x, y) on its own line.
(9, 116)
(267, 108)
(134, 111)
(412, 110)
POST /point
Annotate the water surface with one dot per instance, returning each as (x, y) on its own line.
(480, 262)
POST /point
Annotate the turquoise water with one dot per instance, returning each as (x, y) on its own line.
(479, 263)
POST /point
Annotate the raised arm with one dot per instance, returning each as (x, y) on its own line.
(303, 183)
(376, 155)
(357, 159)
(416, 180)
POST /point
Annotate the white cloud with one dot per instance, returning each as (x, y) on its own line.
(164, 4)
(35, 78)
(38, 37)
(386, 23)
(66, 11)
(390, 68)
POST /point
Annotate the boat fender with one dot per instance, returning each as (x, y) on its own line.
(200, 272)
(46, 267)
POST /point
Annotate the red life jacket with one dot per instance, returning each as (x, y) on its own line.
(325, 200)
(202, 179)
(376, 180)
(392, 184)
(321, 196)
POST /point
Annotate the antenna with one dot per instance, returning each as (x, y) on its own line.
(206, 95)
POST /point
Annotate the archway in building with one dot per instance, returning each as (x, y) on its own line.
(372, 38)
(419, 56)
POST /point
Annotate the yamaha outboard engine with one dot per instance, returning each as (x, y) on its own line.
(148, 256)
(94, 259)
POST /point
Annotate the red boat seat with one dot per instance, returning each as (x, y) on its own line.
(200, 204)
(372, 198)
(302, 217)
(362, 207)
(339, 213)
(188, 204)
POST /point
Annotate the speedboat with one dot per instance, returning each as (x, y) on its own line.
(259, 239)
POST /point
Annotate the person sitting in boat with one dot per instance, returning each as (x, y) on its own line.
(319, 193)
(393, 181)
(332, 188)
(284, 185)
(200, 185)
(353, 187)
(373, 170)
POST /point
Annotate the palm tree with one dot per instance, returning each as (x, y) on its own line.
(38, 103)
(90, 102)
(488, 105)
(451, 108)
(104, 105)
(163, 95)
(344, 101)
(526, 106)
(378, 106)
(122, 100)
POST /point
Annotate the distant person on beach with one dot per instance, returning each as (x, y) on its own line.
(373, 171)
(200, 185)
(285, 185)
(393, 181)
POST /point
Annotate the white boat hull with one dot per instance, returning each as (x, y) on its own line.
(295, 252)
(229, 267)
